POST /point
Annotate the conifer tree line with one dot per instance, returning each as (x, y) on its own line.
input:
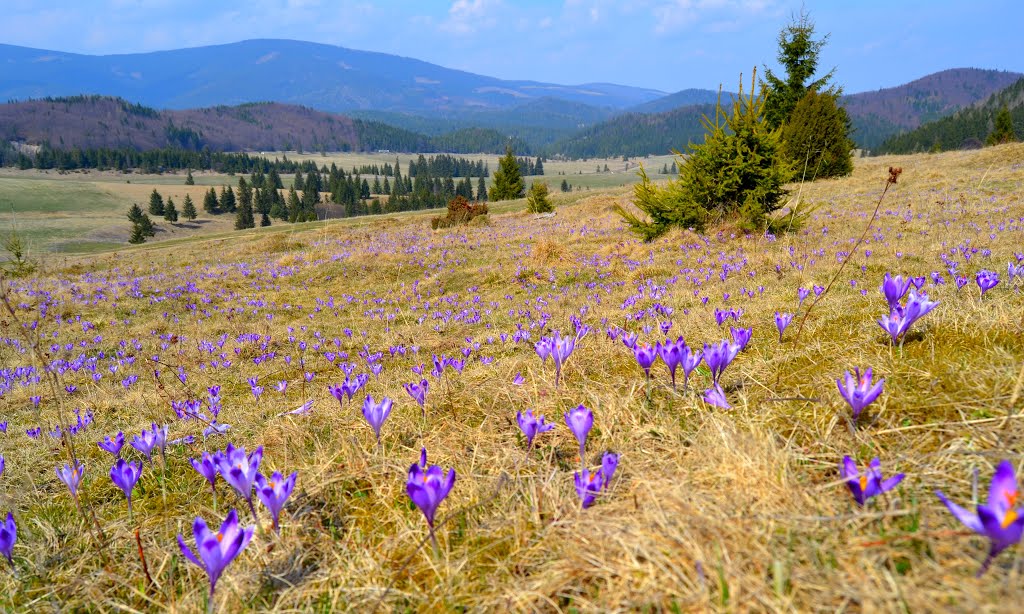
(260, 197)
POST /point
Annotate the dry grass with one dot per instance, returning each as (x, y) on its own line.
(736, 510)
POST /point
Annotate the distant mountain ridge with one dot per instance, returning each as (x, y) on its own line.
(324, 77)
(396, 102)
(876, 116)
(86, 122)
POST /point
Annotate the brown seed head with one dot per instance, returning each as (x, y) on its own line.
(894, 173)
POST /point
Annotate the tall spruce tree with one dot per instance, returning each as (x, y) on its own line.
(156, 203)
(170, 211)
(228, 204)
(508, 181)
(135, 213)
(481, 189)
(188, 209)
(244, 216)
(210, 204)
(815, 138)
(798, 55)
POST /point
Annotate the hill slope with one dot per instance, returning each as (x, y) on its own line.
(324, 77)
(880, 114)
(966, 128)
(637, 134)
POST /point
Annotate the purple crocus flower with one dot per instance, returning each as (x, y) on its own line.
(145, 442)
(645, 357)
(216, 550)
(428, 487)
(418, 392)
(274, 492)
(672, 355)
(518, 380)
(580, 420)
(8, 537)
(376, 413)
(987, 280)
(866, 484)
(112, 445)
(3, 465)
(590, 484)
(691, 358)
(531, 426)
(125, 475)
(72, 477)
(741, 336)
(782, 321)
(207, 467)
(561, 348)
(716, 396)
(998, 519)
(239, 470)
(718, 356)
(858, 389)
(893, 288)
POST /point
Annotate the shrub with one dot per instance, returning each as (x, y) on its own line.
(537, 200)
(739, 169)
(460, 211)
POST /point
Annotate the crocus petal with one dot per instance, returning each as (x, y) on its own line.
(971, 521)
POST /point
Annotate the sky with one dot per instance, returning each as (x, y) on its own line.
(668, 45)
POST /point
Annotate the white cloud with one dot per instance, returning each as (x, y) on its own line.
(469, 16)
(722, 15)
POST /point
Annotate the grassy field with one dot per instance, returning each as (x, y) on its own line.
(83, 212)
(710, 509)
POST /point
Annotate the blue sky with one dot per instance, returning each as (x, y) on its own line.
(662, 44)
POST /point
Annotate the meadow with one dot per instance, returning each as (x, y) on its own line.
(723, 493)
(84, 211)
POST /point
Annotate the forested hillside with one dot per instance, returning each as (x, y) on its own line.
(881, 114)
(967, 128)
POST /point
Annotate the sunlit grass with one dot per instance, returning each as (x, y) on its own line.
(738, 510)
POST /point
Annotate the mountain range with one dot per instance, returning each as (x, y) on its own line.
(387, 99)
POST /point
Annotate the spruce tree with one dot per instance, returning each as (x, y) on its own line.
(538, 168)
(815, 139)
(188, 178)
(210, 204)
(147, 226)
(264, 219)
(137, 236)
(481, 189)
(508, 182)
(1002, 132)
(135, 214)
(294, 206)
(170, 211)
(244, 216)
(738, 170)
(188, 209)
(244, 195)
(156, 203)
(798, 55)
(227, 200)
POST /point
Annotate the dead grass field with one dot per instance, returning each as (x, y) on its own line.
(711, 510)
(84, 211)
